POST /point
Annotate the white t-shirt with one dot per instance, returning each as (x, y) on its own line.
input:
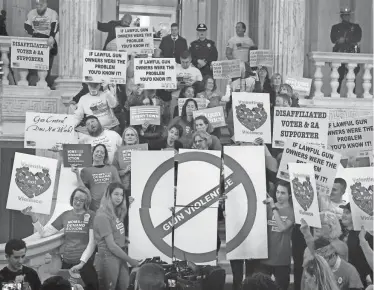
(191, 74)
(42, 24)
(112, 141)
(240, 47)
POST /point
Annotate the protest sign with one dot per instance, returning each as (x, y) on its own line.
(140, 115)
(360, 184)
(45, 131)
(215, 116)
(304, 194)
(202, 103)
(348, 113)
(251, 116)
(126, 153)
(155, 73)
(77, 154)
(261, 57)
(308, 125)
(300, 85)
(226, 69)
(245, 187)
(32, 183)
(108, 66)
(135, 39)
(351, 135)
(325, 163)
(29, 53)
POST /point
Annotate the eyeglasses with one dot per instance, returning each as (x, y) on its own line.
(79, 199)
(199, 141)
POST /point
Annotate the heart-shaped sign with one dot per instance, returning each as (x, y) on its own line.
(303, 192)
(32, 184)
(363, 197)
(253, 118)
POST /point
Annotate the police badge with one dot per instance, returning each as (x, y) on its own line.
(208, 45)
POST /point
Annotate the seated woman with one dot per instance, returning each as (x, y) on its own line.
(79, 244)
(186, 121)
(201, 140)
(109, 230)
(97, 177)
(187, 92)
(210, 93)
(169, 142)
(262, 85)
(203, 124)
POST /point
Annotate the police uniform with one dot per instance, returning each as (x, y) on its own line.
(205, 50)
(352, 34)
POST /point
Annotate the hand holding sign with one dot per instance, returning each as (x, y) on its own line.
(27, 211)
(304, 227)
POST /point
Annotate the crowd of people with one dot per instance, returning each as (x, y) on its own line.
(96, 228)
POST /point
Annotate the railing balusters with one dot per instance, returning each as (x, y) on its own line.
(5, 58)
(367, 81)
(318, 82)
(334, 80)
(351, 80)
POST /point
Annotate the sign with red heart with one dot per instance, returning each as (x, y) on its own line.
(32, 183)
(363, 197)
(251, 116)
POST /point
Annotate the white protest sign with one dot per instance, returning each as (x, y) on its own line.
(251, 116)
(360, 183)
(202, 103)
(109, 66)
(261, 57)
(300, 85)
(32, 183)
(304, 194)
(29, 53)
(245, 187)
(155, 73)
(45, 131)
(139, 115)
(342, 114)
(307, 125)
(351, 135)
(215, 116)
(135, 39)
(226, 69)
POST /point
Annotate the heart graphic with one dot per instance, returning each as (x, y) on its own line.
(303, 192)
(363, 197)
(32, 184)
(251, 119)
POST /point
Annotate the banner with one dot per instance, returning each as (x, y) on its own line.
(251, 116)
(261, 57)
(301, 86)
(348, 113)
(29, 53)
(325, 162)
(215, 115)
(360, 183)
(135, 39)
(32, 183)
(226, 69)
(77, 154)
(202, 103)
(142, 114)
(155, 73)
(45, 131)
(351, 135)
(245, 187)
(307, 125)
(126, 153)
(109, 66)
(304, 194)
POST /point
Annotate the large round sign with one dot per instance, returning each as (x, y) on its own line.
(156, 236)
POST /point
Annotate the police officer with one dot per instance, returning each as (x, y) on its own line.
(203, 51)
(346, 37)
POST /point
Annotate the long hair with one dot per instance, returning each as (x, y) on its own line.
(84, 190)
(206, 122)
(183, 91)
(206, 79)
(273, 78)
(322, 272)
(184, 108)
(106, 155)
(202, 135)
(332, 221)
(106, 204)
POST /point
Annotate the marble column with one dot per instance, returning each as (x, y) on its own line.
(78, 31)
(282, 29)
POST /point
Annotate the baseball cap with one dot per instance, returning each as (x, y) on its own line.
(90, 117)
(346, 206)
(201, 27)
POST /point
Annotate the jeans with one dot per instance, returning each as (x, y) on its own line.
(88, 274)
(112, 271)
(281, 274)
(237, 267)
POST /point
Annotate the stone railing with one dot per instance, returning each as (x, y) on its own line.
(5, 44)
(333, 61)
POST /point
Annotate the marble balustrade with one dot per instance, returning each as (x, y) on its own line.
(334, 61)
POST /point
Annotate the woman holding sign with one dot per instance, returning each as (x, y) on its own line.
(187, 92)
(97, 177)
(111, 259)
(79, 244)
(186, 121)
(210, 93)
(203, 124)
